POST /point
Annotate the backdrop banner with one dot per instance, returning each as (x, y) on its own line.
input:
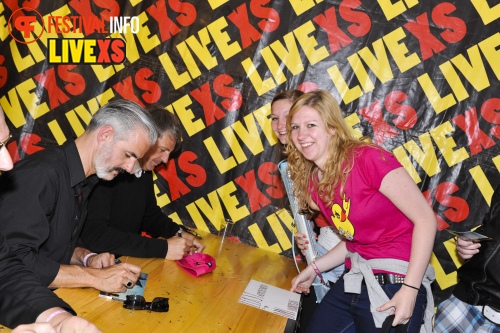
(421, 79)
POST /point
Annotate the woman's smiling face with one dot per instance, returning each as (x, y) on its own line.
(279, 111)
(310, 135)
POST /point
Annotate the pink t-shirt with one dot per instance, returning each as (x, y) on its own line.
(371, 224)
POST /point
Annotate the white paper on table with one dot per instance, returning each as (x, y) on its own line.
(272, 299)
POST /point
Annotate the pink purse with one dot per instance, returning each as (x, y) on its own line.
(197, 264)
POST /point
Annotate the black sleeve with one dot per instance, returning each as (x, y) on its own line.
(28, 197)
(22, 296)
(493, 212)
(99, 235)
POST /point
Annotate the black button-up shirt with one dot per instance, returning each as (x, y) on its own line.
(43, 204)
(22, 297)
(119, 210)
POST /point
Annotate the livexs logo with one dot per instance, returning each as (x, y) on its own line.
(66, 39)
(86, 51)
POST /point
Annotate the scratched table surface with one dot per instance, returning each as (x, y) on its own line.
(208, 303)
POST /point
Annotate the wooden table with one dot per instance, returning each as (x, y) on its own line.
(208, 303)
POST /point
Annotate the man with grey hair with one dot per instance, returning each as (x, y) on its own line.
(23, 300)
(43, 200)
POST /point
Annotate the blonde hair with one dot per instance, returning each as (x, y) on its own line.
(341, 150)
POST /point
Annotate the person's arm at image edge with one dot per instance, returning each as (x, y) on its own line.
(23, 297)
(23, 208)
(467, 249)
(417, 209)
(59, 321)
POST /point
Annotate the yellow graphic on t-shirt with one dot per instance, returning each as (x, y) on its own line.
(340, 217)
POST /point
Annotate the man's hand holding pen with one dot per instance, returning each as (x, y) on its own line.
(197, 245)
(183, 244)
(115, 278)
(129, 284)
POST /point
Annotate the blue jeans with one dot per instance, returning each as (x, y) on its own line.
(345, 312)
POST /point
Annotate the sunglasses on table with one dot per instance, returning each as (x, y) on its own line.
(137, 302)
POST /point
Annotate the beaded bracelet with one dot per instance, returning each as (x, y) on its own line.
(87, 258)
(313, 264)
(53, 314)
(318, 273)
(404, 284)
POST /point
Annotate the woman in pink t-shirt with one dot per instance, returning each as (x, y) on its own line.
(327, 239)
(387, 225)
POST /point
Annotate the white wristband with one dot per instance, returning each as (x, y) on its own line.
(53, 314)
(87, 258)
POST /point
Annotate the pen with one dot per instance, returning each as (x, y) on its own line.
(191, 231)
(194, 233)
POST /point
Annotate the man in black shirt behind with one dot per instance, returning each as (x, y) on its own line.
(121, 209)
